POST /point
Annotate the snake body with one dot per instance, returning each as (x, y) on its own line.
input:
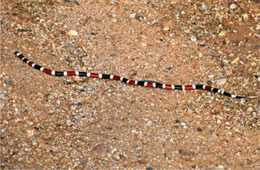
(145, 83)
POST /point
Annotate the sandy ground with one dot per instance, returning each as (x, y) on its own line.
(56, 122)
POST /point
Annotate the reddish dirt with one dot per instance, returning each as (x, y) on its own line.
(64, 122)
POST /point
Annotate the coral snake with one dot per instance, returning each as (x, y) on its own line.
(145, 83)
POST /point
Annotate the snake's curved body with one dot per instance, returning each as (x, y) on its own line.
(145, 83)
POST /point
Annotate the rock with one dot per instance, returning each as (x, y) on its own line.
(189, 110)
(221, 81)
(250, 109)
(257, 27)
(245, 16)
(257, 47)
(233, 6)
(73, 33)
(114, 20)
(132, 16)
(253, 64)
(222, 33)
(221, 166)
(209, 82)
(193, 38)
(235, 60)
(144, 44)
(166, 28)
(204, 7)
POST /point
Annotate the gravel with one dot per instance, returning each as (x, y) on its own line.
(66, 122)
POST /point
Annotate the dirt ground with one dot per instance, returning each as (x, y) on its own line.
(70, 122)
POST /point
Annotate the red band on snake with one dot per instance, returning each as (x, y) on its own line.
(144, 83)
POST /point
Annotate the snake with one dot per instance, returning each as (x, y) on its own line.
(144, 83)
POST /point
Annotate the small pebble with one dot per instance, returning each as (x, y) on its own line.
(90, 89)
(79, 103)
(204, 7)
(58, 102)
(144, 44)
(73, 33)
(193, 38)
(233, 6)
(221, 81)
(202, 43)
(166, 28)
(140, 18)
(228, 102)
(189, 110)
(30, 133)
(222, 33)
(149, 123)
(209, 83)
(82, 91)
(8, 82)
(114, 20)
(132, 15)
(257, 47)
(169, 68)
(245, 16)
(257, 27)
(199, 129)
(250, 109)
(185, 152)
(253, 64)
(235, 60)
(220, 166)
(181, 124)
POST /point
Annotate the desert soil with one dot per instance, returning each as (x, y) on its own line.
(70, 122)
